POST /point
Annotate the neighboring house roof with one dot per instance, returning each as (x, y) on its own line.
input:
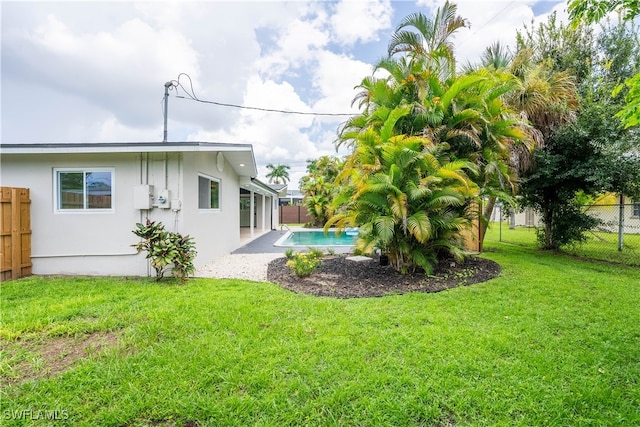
(296, 194)
(277, 187)
(281, 189)
(240, 156)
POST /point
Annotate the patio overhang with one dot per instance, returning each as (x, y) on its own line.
(257, 186)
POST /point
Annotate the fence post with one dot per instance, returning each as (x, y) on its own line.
(621, 224)
(16, 237)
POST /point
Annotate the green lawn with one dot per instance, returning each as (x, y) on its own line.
(599, 245)
(554, 341)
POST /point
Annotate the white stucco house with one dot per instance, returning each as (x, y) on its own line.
(608, 213)
(87, 197)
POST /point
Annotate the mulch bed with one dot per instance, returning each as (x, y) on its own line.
(341, 278)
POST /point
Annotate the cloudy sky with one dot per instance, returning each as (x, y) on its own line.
(95, 71)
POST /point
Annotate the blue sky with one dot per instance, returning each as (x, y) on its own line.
(95, 71)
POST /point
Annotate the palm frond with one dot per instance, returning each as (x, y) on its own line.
(419, 226)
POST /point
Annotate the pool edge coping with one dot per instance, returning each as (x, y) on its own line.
(290, 231)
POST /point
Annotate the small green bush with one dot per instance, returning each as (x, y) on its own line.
(315, 252)
(289, 253)
(303, 264)
(166, 250)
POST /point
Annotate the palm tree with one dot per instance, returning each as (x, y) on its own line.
(431, 38)
(319, 187)
(496, 56)
(406, 196)
(544, 98)
(278, 173)
(467, 113)
(547, 98)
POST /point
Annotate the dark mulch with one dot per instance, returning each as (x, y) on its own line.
(341, 278)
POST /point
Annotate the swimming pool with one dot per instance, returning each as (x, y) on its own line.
(317, 238)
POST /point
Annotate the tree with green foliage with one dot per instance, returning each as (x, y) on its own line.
(591, 11)
(278, 174)
(560, 47)
(319, 187)
(405, 195)
(594, 153)
(572, 164)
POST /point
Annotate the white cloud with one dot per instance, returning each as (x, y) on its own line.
(360, 20)
(95, 71)
(107, 69)
(276, 138)
(295, 46)
(490, 22)
(335, 78)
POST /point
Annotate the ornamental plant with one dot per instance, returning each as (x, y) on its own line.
(166, 250)
(303, 264)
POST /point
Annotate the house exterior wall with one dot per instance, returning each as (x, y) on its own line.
(527, 218)
(608, 214)
(78, 242)
(216, 232)
(99, 243)
(610, 217)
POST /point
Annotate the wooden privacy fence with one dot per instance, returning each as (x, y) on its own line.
(472, 236)
(294, 215)
(15, 231)
(76, 201)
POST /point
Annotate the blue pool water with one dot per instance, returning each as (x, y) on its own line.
(317, 238)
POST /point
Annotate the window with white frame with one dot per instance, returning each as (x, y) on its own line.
(208, 192)
(84, 189)
(636, 209)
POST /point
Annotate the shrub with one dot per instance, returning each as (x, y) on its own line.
(166, 250)
(315, 252)
(303, 264)
(185, 254)
(289, 253)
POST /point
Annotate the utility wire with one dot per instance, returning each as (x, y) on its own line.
(494, 17)
(192, 96)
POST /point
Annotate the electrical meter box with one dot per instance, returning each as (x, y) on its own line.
(163, 199)
(143, 197)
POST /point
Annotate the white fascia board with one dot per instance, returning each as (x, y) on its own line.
(245, 151)
(122, 148)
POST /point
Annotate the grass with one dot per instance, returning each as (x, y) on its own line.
(599, 245)
(553, 341)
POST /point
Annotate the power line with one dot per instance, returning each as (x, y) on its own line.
(192, 97)
(487, 22)
(272, 110)
(494, 16)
